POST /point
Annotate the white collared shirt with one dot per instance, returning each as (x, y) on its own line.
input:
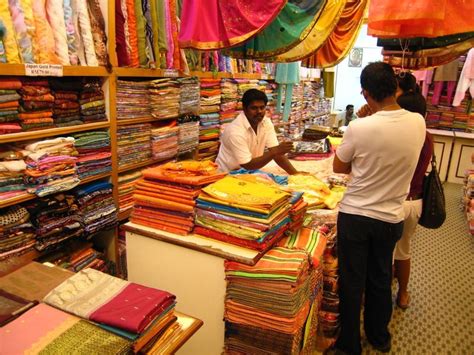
(240, 144)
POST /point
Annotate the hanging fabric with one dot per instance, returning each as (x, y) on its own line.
(466, 80)
(418, 43)
(10, 47)
(291, 26)
(216, 24)
(287, 75)
(448, 74)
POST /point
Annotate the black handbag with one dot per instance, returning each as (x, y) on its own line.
(433, 212)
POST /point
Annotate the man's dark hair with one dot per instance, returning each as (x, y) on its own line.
(379, 80)
(413, 101)
(407, 82)
(253, 95)
(349, 106)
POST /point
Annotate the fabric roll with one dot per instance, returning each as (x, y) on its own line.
(55, 14)
(84, 31)
(99, 35)
(9, 41)
(23, 33)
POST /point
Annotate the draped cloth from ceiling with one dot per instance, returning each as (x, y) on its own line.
(419, 18)
(215, 24)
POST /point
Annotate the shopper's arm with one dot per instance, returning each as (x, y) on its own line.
(340, 167)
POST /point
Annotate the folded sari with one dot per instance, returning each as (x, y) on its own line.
(153, 223)
(311, 240)
(164, 204)
(188, 177)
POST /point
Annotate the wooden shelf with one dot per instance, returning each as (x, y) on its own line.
(124, 215)
(171, 73)
(32, 135)
(15, 262)
(189, 326)
(27, 196)
(142, 164)
(68, 70)
(142, 120)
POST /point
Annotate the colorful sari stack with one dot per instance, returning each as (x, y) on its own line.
(134, 143)
(56, 220)
(94, 156)
(12, 171)
(165, 198)
(164, 98)
(209, 119)
(136, 312)
(66, 109)
(96, 207)
(164, 141)
(51, 166)
(92, 101)
(126, 188)
(268, 305)
(243, 211)
(78, 256)
(297, 212)
(189, 95)
(37, 102)
(9, 105)
(188, 137)
(229, 100)
(16, 232)
(133, 100)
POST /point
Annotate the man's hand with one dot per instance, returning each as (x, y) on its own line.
(303, 173)
(282, 148)
(364, 111)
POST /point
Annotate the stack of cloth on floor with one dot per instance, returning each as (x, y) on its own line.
(9, 105)
(229, 100)
(92, 101)
(315, 150)
(243, 210)
(37, 102)
(189, 96)
(126, 188)
(164, 98)
(51, 166)
(66, 109)
(165, 198)
(297, 212)
(164, 141)
(12, 171)
(94, 156)
(16, 232)
(96, 207)
(467, 200)
(315, 192)
(133, 100)
(138, 313)
(209, 119)
(188, 137)
(56, 220)
(271, 307)
(134, 143)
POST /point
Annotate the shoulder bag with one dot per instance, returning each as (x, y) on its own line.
(433, 212)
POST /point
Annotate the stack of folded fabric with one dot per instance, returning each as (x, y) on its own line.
(37, 102)
(164, 98)
(96, 207)
(56, 220)
(9, 105)
(446, 118)
(229, 101)
(16, 232)
(12, 171)
(164, 141)
(297, 212)
(126, 187)
(145, 312)
(432, 119)
(94, 156)
(92, 101)
(51, 166)
(133, 100)
(165, 198)
(209, 119)
(297, 124)
(460, 121)
(134, 143)
(470, 123)
(188, 137)
(269, 307)
(316, 193)
(243, 211)
(189, 96)
(66, 109)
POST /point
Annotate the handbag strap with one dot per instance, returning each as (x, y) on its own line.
(433, 160)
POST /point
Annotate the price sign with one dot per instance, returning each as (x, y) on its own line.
(43, 70)
(171, 73)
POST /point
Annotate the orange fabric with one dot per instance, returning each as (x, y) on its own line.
(161, 203)
(148, 186)
(165, 196)
(132, 33)
(9, 104)
(163, 218)
(174, 31)
(155, 224)
(419, 18)
(41, 114)
(10, 84)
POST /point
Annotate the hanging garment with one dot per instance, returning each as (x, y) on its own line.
(215, 24)
(8, 38)
(423, 78)
(466, 80)
(419, 18)
(70, 33)
(22, 32)
(415, 44)
(55, 12)
(287, 75)
(98, 31)
(146, 7)
(290, 27)
(120, 40)
(132, 34)
(318, 34)
(83, 28)
(342, 39)
(445, 73)
(44, 34)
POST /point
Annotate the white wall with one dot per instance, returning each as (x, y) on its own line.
(347, 90)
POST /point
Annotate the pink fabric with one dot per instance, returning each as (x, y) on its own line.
(169, 36)
(438, 88)
(214, 24)
(424, 78)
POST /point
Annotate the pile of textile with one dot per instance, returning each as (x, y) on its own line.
(164, 98)
(96, 207)
(270, 307)
(297, 212)
(51, 166)
(189, 96)
(297, 125)
(133, 100)
(66, 109)
(165, 198)
(188, 136)
(315, 150)
(56, 220)
(9, 105)
(468, 198)
(94, 156)
(164, 141)
(316, 193)
(12, 171)
(243, 210)
(209, 119)
(134, 143)
(37, 102)
(229, 101)
(92, 102)
(126, 187)
(16, 232)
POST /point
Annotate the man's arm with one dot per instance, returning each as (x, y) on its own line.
(340, 167)
(285, 164)
(275, 153)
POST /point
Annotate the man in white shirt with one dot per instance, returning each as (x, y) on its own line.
(345, 117)
(381, 153)
(244, 140)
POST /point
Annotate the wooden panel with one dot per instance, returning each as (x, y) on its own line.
(460, 159)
